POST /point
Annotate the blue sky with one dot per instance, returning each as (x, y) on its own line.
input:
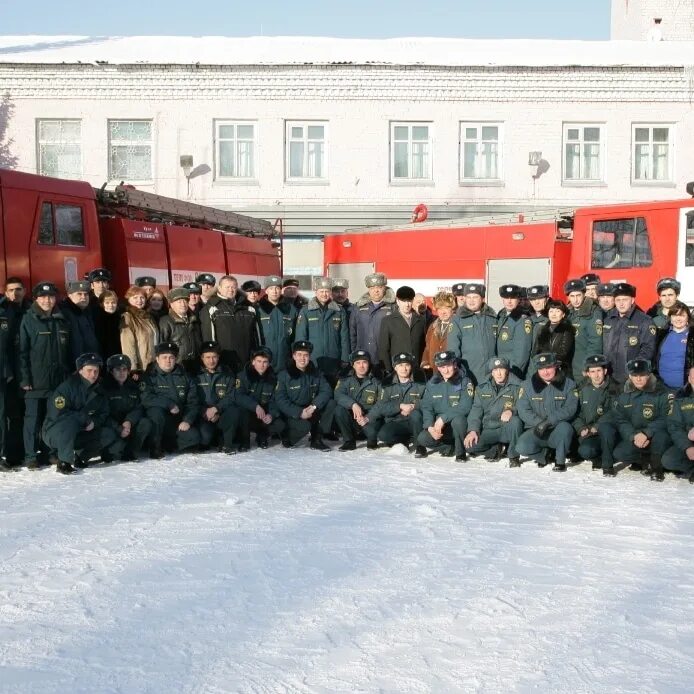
(351, 18)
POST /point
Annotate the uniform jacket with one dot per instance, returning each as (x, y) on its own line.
(252, 390)
(185, 332)
(7, 346)
(44, 351)
(107, 326)
(138, 338)
(76, 400)
(397, 336)
(164, 390)
(325, 326)
(365, 322)
(298, 389)
(82, 329)
(595, 404)
(514, 338)
(124, 401)
(538, 320)
(277, 329)
(362, 391)
(642, 411)
(491, 401)
(473, 339)
(216, 389)
(628, 338)
(436, 341)
(394, 394)
(447, 399)
(660, 320)
(681, 418)
(588, 326)
(554, 402)
(688, 355)
(232, 323)
(560, 340)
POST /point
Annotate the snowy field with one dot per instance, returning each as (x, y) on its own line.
(294, 571)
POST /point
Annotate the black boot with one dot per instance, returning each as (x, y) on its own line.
(609, 471)
(261, 441)
(636, 466)
(64, 468)
(492, 455)
(559, 467)
(514, 462)
(691, 478)
(595, 464)
(542, 458)
(318, 445)
(156, 453)
(657, 474)
(372, 445)
(244, 447)
(348, 446)
(286, 443)
(461, 457)
(420, 452)
(79, 463)
(229, 450)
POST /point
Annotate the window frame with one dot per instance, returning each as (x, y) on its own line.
(602, 163)
(218, 122)
(130, 143)
(40, 142)
(640, 227)
(288, 139)
(410, 180)
(56, 243)
(670, 180)
(462, 140)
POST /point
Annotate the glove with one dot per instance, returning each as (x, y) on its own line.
(542, 429)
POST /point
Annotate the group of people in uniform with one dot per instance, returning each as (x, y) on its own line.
(209, 363)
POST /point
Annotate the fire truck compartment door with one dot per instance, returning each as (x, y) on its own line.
(354, 273)
(521, 271)
(685, 255)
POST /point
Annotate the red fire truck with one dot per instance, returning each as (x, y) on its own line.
(57, 230)
(634, 242)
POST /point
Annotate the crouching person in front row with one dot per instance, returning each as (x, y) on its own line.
(77, 414)
(494, 425)
(217, 395)
(397, 416)
(445, 406)
(256, 408)
(547, 404)
(640, 421)
(303, 398)
(680, 456)
(355, 396)
(126, 414)
(171, 403)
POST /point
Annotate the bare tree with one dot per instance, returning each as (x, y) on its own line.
(7, 159)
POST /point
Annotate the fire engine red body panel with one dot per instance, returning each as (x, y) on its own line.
(250, 258)
(192, 251)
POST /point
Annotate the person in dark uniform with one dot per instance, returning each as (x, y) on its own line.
(639, 423)
(290, 292)
(44, 363)
(458, 291)
(556, 335)
(171, 402)
(493, 423)
(586, 318)
(206, 281)
(596, 396)
(403, 330)
(341, 295)
(194, 296)
(547, 405)
(277, 322)
(538, 296)
(99, 282)
(514, 330)
(606, 298)
(445, 407)
(76, 421)
(397, 415)
(76, 311)
(126, 414)
(252, 290)
(256, 407)
(303, 396)
(7, 374)
(147, 283)
(591, 282)
(628, 332)
(368, 313)
(668, 289)
(355, 395)
(217, 395)
(679, 457)
(182, 326)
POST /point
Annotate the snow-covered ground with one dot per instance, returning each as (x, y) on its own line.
(292, 571)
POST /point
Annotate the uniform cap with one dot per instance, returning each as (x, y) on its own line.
(166, 348)
(210, 346)
(88, 359)
(78, 286)
(668, 283)
(590, 278)
(556, 303)
(117, 360)
(206, 278)
(538, 291)
(510, 291)
(574, 286)
(458, 289)
(546, 360)
(272, 281)
(251, 286)
(606, 289)
(302, 346)
(192, 287)
(405, 293)
(403, 358)
(376, 279)
(178, 293)
(624, 289)
(262, 352)
(596, 360)
(45, 289)
(475, 288)
(290, 282)
(340, 283)
(100, 274)
(638, 367)
(446, 357)
(323, 283)
(145, 281)
(359, 354)
(499, 363)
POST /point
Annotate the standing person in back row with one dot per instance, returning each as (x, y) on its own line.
(277, 319)
(369, 311)
(403, 330)
(514, 330)
(586, 317)
(230, 320)
(76, 311)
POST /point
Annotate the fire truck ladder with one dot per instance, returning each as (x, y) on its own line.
(128, 202)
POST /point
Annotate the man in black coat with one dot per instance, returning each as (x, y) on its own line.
(7, 373)
(182, 326)
(230, 320)
(76, 311)
(403, 330)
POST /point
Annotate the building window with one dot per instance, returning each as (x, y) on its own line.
(59, 148)
(621, 243)
(306, 150)
(652, 153)
(410, 151)
(235, 149)
(130, 150)
(61, 224)
(583, 152)
(480, 151)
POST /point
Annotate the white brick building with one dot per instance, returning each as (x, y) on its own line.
(329, 134)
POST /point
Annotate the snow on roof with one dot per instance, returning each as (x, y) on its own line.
(299, 50)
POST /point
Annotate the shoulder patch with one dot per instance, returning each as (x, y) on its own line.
(59, 402)
(528, 326)
(651, 329)
(470, 389)
(238, 383)
(521, 390)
